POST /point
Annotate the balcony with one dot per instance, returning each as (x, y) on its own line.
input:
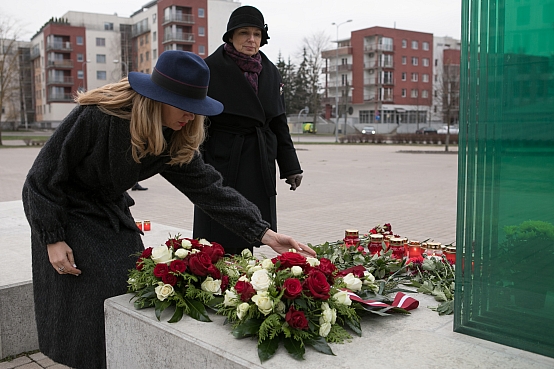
(179, 37)
(60, 81)
(333, 83)
(60, 64)
(139, 28)
(378, 64)
(60, 97)
(369, 48)
(342, 68)
(332, 53)
(179, 18)
(59, 46)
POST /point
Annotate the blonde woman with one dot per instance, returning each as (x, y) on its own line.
(75, 196)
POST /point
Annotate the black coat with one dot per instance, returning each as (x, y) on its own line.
(76, 191)
(245, 141)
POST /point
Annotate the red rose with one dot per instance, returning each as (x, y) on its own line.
(317, 285)
(195, 243)
(296, 319)
(293, 288)
(199, 264)
(215, 252)
(140, 263)
(175, 243)
(326, 267)
(214, 272)
(170, 279)
(161, 269)
(245, 290)
(146, 253)
(357, 270)
(224, 282)
(178, 266)
(290, 259)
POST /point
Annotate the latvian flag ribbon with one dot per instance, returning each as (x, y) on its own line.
(401, 300)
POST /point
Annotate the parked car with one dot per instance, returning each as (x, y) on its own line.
(368, 130)
(444, 129)
(426, 131)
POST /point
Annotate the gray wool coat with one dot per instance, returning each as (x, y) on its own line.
(76, 191)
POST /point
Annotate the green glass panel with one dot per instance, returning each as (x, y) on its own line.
(505, 223)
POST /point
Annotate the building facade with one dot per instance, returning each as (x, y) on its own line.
(446, 80)
(82, 51)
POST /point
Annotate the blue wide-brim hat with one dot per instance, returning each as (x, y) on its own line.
(179, 79)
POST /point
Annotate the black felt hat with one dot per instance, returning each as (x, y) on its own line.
(246, 16)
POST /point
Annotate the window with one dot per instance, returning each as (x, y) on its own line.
(101, 58)
(79, 40)
(404, 60)
(425, 62)
(80, 74)
(201, 31)
(154, 18)
(436, 62)
(100, 41)
(101, 75)
(424, 94)
(403, 76)
(108, 26)
(155, 54)
(154, 36)
(425, 46)
(80, 58)
(201, 13)
(141, 58)
(414, 93)
(414, 77)
(404, 44)
(403, 92)
(201, 49)
(425, 77)
(147, 56)
(147, 38)
(415, 60)
(415, 45)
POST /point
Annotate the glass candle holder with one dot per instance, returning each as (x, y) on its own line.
(146, 225)
(351, 238)
(375, 243)
(139, 224)
(414, 249)
(397, 247)
(450, 253)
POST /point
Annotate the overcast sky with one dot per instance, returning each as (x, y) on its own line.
(289, 21)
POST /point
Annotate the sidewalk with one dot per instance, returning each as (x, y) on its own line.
(344, 187)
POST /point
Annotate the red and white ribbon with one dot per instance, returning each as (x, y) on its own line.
(401, 300)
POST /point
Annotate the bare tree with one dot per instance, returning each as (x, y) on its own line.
(312, 46)
(447, 93)
(9, 71)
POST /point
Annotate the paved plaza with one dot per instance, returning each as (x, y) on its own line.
(344, 187)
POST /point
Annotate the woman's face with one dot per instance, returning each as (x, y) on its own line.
(175, 118)
(246, 40)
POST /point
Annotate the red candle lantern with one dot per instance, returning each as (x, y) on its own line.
(414, 249)
(139, 225)
(146, 225)
(375, 243)
(397, 247)
(351, 238)
(450, 253)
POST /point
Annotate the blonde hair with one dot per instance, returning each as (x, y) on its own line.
(145, 116)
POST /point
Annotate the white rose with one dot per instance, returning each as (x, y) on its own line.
(296, 270)
(333, 316)
(204, 242)
(342, 297)
(246, 253)
(161, 254)
(369, 278)
(352, 283)
(324, 329)
(163, 291)
(211, 285)
(186, 244)
(232, 272)
(244, 278)
(194, 251)
(231, 298)
(254, 269)
(267, 264)
(251, 262)
(182, 253)
(260, 280)
(326, 314)
(313, 261)
(242, 309)
(264, 303)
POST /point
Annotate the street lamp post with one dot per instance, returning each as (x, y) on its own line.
(84, 73)
(337, 81)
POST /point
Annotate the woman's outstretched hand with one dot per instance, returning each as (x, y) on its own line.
(281, 243)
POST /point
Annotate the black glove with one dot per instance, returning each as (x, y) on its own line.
(294, 181)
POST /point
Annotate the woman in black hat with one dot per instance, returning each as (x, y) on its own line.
(75, 196)
(251, 135)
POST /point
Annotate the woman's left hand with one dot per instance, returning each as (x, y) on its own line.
(294, 181)
(281, 243)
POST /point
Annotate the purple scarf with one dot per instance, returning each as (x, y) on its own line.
(251, 66)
